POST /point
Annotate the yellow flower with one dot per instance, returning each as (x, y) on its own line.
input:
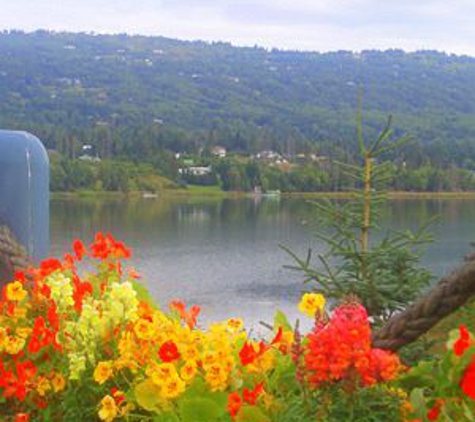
(19, 312)
(144, 329)
(15, 291)
(23, 332)
(3, 338)
(163, 372)
(172, 387)
(190, 352)
(58, 382)
(235, 324)
(108, 410)
(14, 345)
(188, 370)
(217, 377)
(43, 386)
(311, 303)
(103, 372)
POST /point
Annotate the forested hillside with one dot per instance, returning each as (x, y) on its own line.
(137, 97)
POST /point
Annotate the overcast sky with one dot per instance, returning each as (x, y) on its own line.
(323, 25)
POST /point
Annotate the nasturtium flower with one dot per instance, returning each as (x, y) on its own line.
(108, 411)
(79, 249)
(463, 342)
(104, 370)
(188, 370)
(58, 382)
(168, 352)
(234, 324)
(15, 292)
(172, 387)
(14, 345)
(234, 404)
(217, 377)
(3, 338)
(433, 414)
(144, 329)
(43, 386)
(467, 384)
(162, 372)
(311, 303)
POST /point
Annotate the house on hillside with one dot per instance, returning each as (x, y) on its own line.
(218, 151)
(271, 157)
(88, 154)
(196, 171)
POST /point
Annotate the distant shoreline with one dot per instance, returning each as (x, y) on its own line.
(199, 192)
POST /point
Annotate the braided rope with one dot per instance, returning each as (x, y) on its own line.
(445, 297)
(13, 255)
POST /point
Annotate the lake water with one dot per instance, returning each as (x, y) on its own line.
(224, 254)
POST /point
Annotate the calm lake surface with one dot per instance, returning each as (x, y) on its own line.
(224, 255)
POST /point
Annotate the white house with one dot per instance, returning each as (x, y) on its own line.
(218, 151)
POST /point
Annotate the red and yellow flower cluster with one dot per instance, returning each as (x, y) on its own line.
(64, 335)
(341, 350)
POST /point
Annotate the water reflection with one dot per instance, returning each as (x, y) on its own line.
(224, 253)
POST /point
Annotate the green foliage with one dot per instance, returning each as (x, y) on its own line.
(144, 98)
(374, 404)
(438, 383)
(383, 273)
(110, 175)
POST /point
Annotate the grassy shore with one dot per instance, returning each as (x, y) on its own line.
(216, 192)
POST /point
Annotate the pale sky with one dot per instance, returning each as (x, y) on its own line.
(322, 25)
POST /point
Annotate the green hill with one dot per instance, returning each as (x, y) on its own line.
(132, 95)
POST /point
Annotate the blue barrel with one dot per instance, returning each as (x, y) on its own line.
(24, 191)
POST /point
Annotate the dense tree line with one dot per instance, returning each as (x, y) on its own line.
(142, 99)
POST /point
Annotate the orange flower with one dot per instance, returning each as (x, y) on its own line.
(190, 317)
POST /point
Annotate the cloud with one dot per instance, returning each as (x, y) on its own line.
(296, 24)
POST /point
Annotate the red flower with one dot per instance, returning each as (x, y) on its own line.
(49, 266)
(249, 354)
(168, 352)
(234, 404)
(433, 414)
(22, 417)
(463, 342)
(42, 336)
(118, 396)
(251, 396)
(468, 380)
(106, 246)
(16, 385)
(79, 249)
(81, 290)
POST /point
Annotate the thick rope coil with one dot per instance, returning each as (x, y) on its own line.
(13, 255)
(445, 297)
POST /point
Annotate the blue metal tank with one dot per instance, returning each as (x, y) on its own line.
(24, 191)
